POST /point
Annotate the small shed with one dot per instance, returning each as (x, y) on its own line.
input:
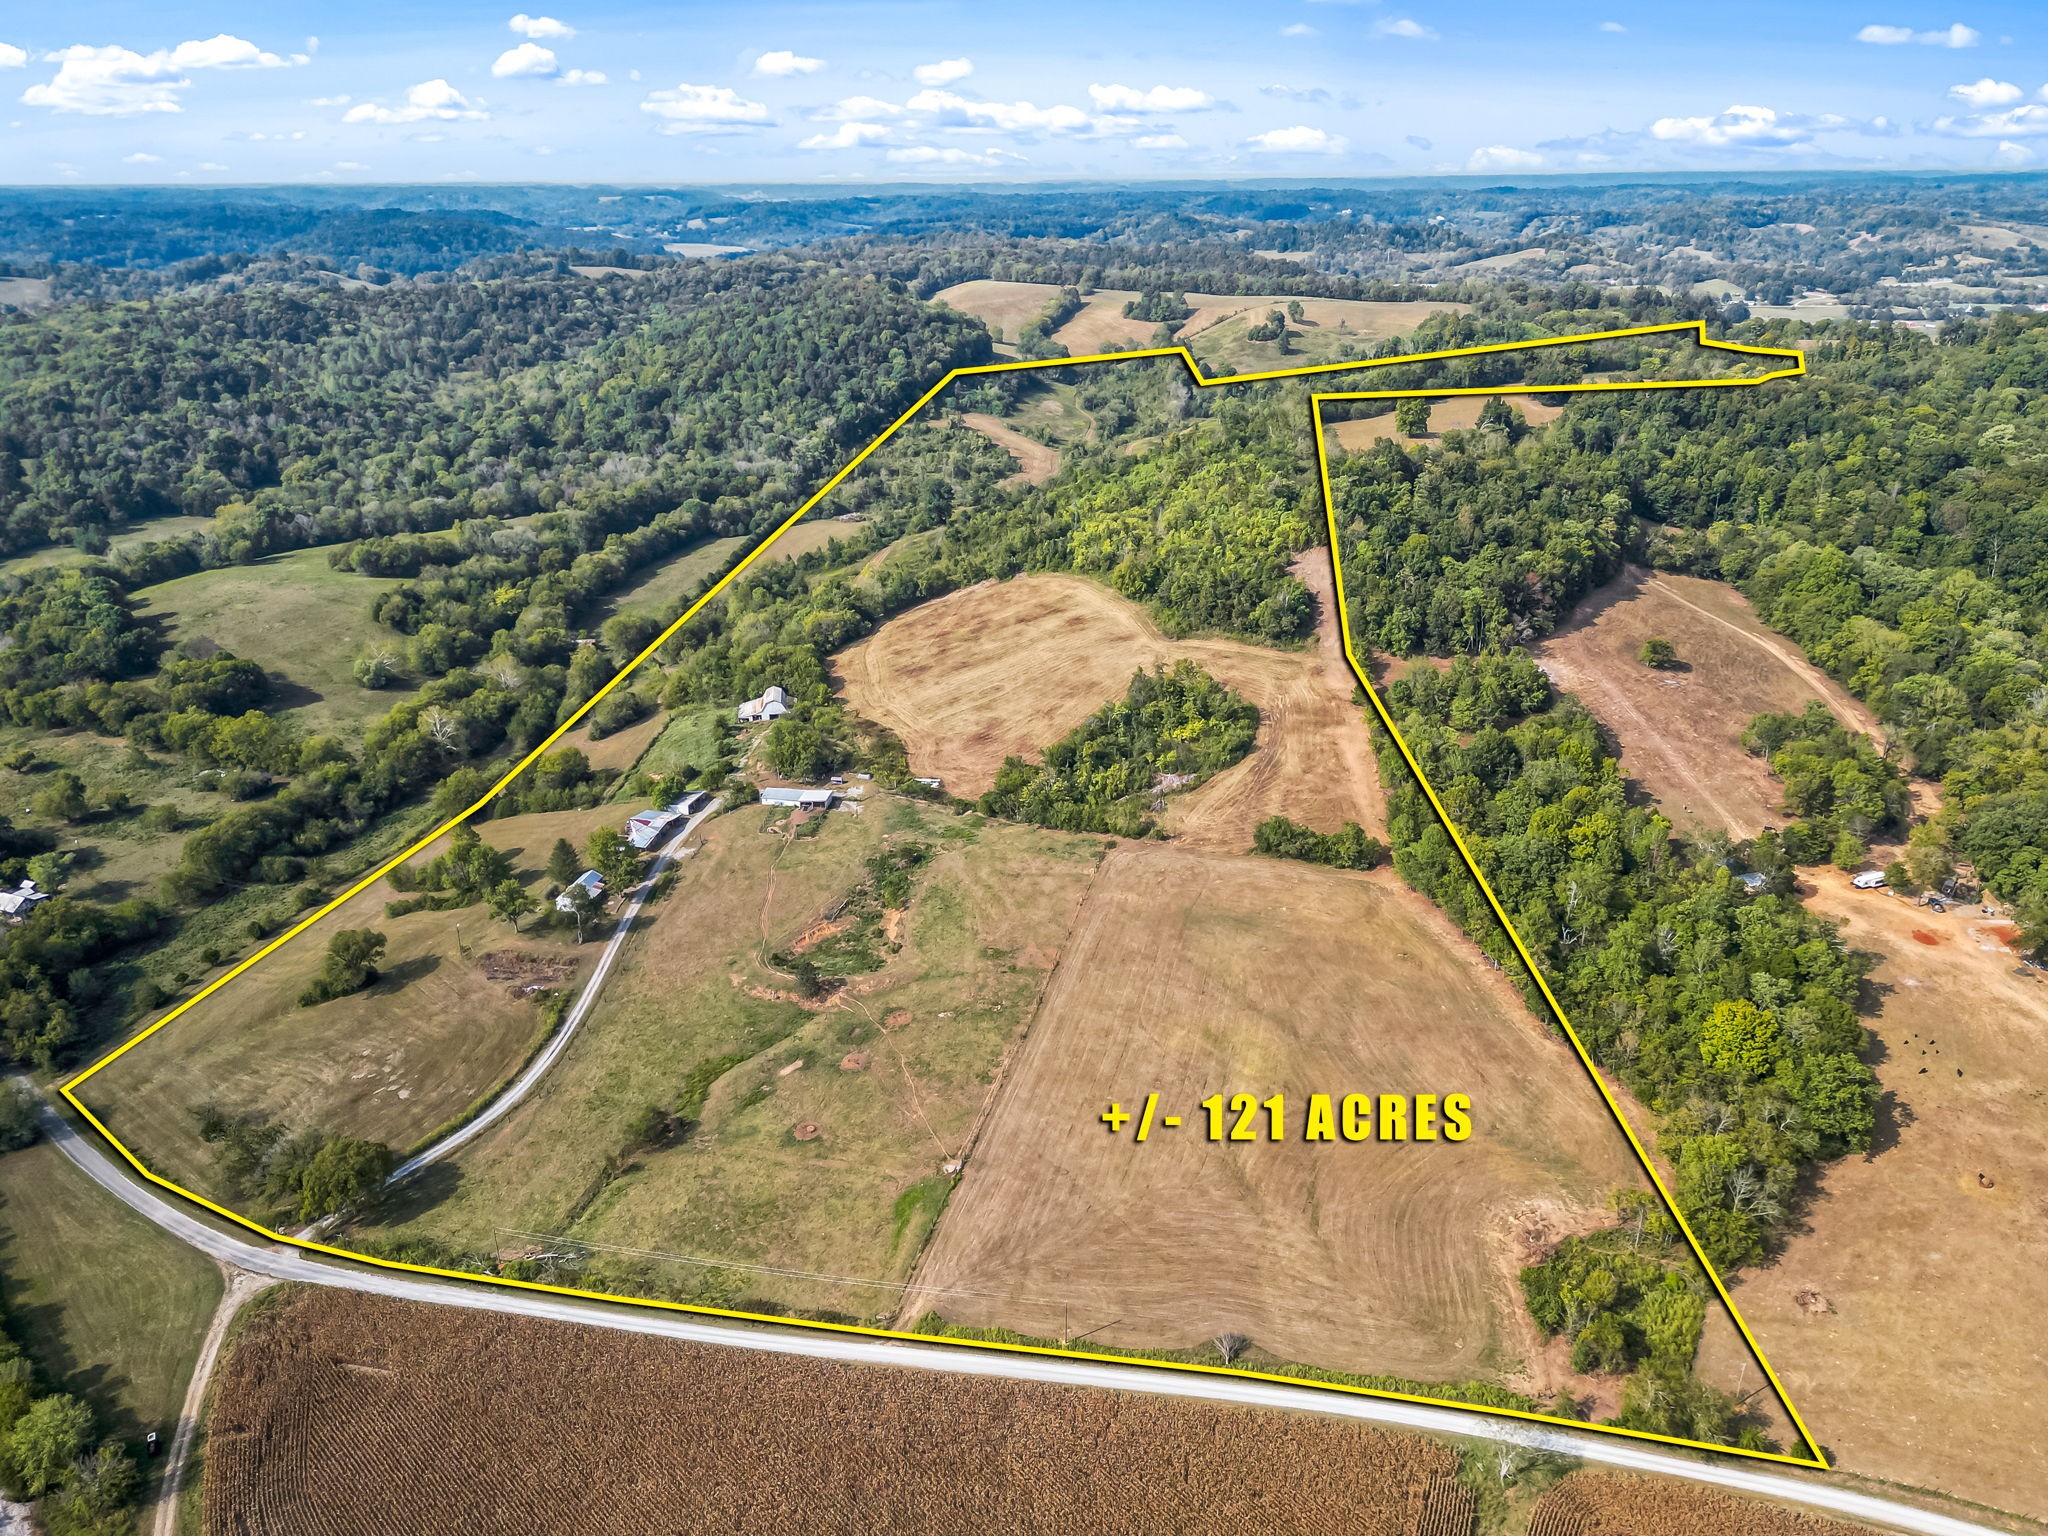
(772, 705)
(799, 799)
(590, 880)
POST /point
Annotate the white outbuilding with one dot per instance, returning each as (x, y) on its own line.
(772, 705)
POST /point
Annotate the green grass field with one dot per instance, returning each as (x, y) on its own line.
(294, 615)
(892, 1071)
(151, 532)
(111, 1308)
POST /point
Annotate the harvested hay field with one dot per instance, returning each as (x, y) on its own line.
(1192, 973)
(1680, 729)
(390, 1063)
(1909, 1303)
(1460, 413)
(1615, 1504)
(333, 1411)
(1008, 668)
(1036, 462)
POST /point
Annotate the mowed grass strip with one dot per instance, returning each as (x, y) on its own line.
(112, 1308)
(333, 1417)
(296, 617)
(390, 1063)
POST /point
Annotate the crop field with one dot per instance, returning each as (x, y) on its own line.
(1615, 1504)
(1192, 973)
(295, 616)
(390, 1063)
(333, 1416)
(111, 1306)
(1905, 1316)
(1460, 413)
(810, 1171)
(1681, 728)
(1009, 668)
(1036, 462)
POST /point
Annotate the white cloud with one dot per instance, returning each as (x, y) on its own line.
(142, 157)
(526, 59)
(704, 109)
(429, 101)
(582, 77)
(350, 165)
(926, 154)
(848, 135)
(783, 62)
(1987, 93)
(1160, 98)
(1954, 36)
(1503, 157)
(945, 72)
(1006, 116)
(1612, 26)
(119, 82)
(330, 101)
(1298, 140)
(1738, 127)
(12, 57)
(211, 165)
(2009, 153)
(1401, 26)
(1160, 141)
(540, 26)
(2019, 123)
(856, 108)
(1299, 29)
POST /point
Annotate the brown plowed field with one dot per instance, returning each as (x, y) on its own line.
(1906, 1318)
(1614, 1504)
(1681, 730)
(338, 1415)
(1191, 973)
(1008, 668)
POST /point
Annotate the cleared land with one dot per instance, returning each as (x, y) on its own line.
(111, 1307)
(1007, 668)
(1036, 463)
(1190, 974)
(1460, 413)
(810, 1169)
(1905, 1318)
(667, 587)
(1681, 728)
(333, 1411)
(390, 1063)
(1330, 330)
(151, 532)
(295, 616)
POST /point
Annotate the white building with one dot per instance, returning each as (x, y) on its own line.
(799, 799)
(590, 880)
(18, 904)
(772, 705)
(1869, 880)
(646, 828)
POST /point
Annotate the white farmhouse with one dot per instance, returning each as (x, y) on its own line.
(590, 880)
(772, 705)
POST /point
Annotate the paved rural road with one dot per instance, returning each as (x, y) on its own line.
(520, 1086)
(287, 1264)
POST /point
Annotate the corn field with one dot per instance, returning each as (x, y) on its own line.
(1613, 1504)
(348, 1414)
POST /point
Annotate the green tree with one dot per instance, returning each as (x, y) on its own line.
(563, 865)
(351, 965)
(1741, 1040)
(614, 858)
(18, 1106)
(510, 902)
(1657, 652)
(343, 1177)
(62, 799)
(45, 1441)
(1411, 418)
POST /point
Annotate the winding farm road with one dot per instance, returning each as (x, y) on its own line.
(516, 1091)
(288, 1264)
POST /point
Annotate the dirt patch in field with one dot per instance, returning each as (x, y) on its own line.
(1007, 669)
(1458, 414)
(1616, 1504)
(524, 974)
(1680, 729)
(1189, 974)
(1036, 462)
(332, 1418)
(1931, 1253)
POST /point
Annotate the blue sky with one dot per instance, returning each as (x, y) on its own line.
(849, 91)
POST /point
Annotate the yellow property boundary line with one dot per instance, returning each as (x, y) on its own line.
(1797, 367)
